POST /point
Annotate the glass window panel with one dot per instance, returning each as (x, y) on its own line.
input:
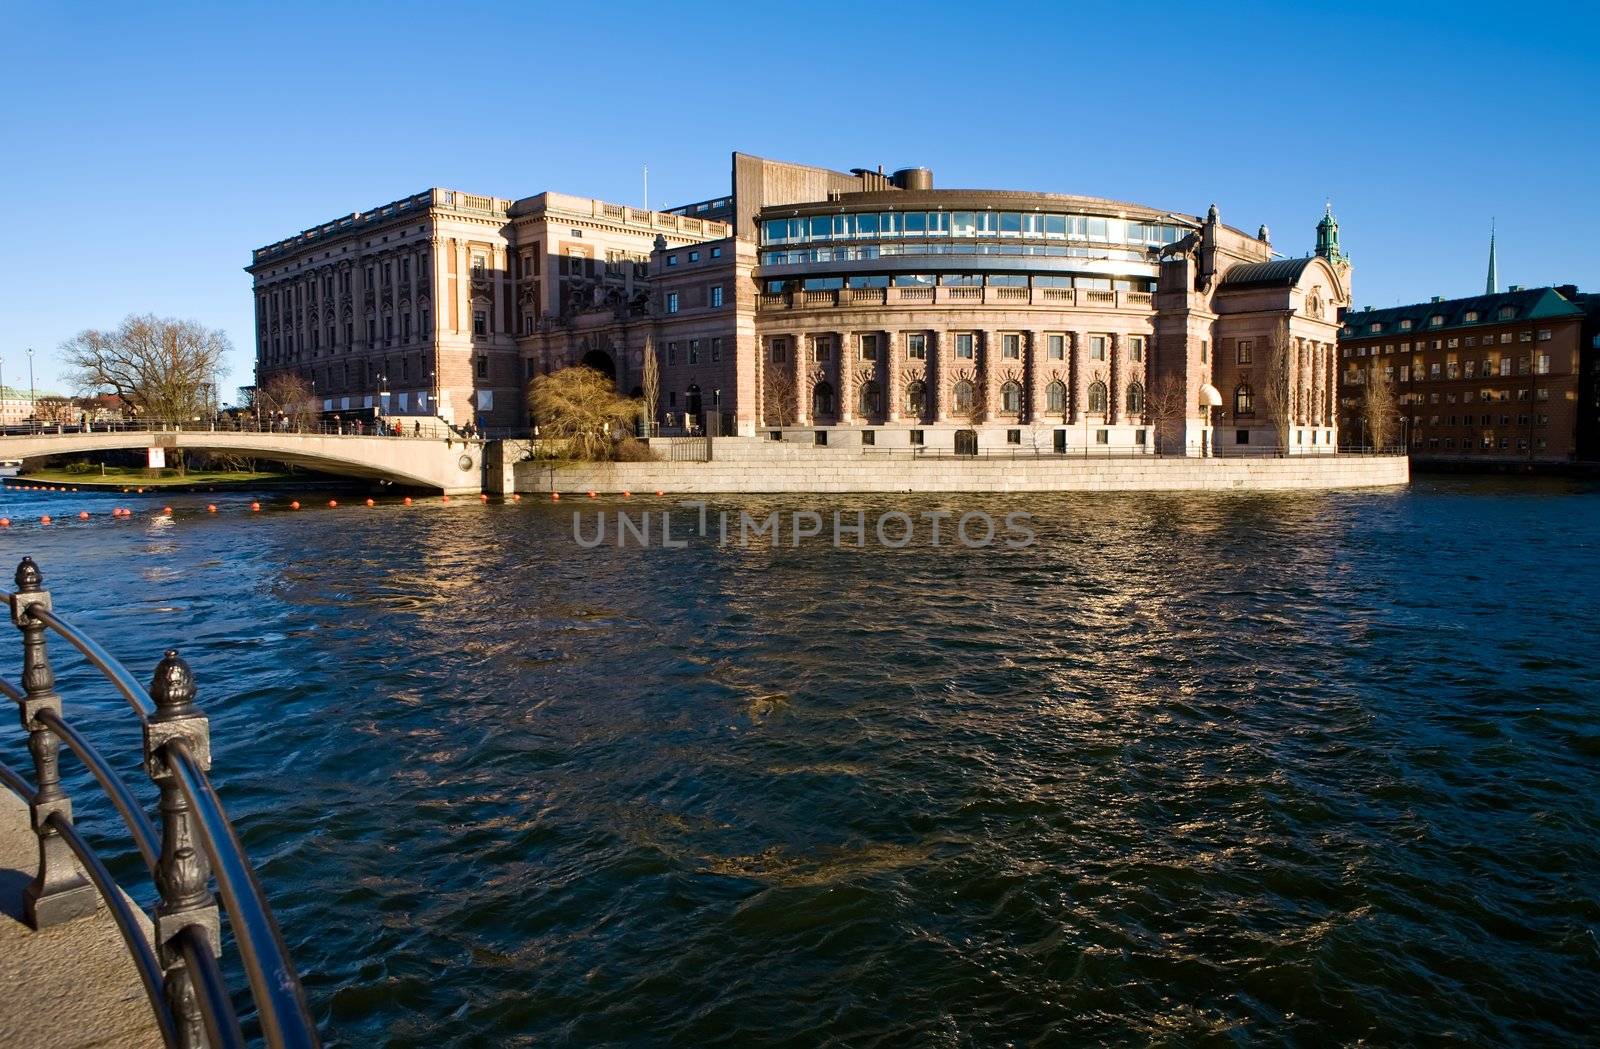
(1008, 280)
(1096, 228)
(841, 225)
(938, 223)
(987, 221)
(867, 224)
(1055, 225)
(913, 280)
(889, 224)
(1033, 225)
(1050, 280)
(963, 224)
(821, 227)
(1010, 224)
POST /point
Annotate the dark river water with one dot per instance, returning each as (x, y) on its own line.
(1316, 768)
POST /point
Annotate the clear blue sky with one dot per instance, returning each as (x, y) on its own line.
(148, 148)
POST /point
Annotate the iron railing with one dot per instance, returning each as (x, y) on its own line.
(180, 972)
(416, 427)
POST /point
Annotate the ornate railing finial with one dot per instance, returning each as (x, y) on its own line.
(29, 579)
(172, 688)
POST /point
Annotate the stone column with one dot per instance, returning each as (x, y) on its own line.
(988, 362)
(803, 352)
(938, 373)
(1033, 366)
(463, 290)
(889, 368)
(1114, 384)
(847, 349)
(1074, 382)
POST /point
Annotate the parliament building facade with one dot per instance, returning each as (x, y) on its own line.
(840, 308)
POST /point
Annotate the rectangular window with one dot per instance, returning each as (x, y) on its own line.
(1102, 437)
(917, 347)
(1241, 437)
(483, 367)
(716, 295)
(716, 253)
(672, 260)
(694, 351)
(1136, 348)
(780, 351)
(716, 350)
(1097, 347)
(672, 353)
(868, 437)
(480, 323)
(822, 348)
(1011, 347)
(1247, 350)
(869, 347)
(1013, 436)
(964, 345)
(1056, 347)
(694, 256)
(1139, 437)
(672, 302)
(916, 437)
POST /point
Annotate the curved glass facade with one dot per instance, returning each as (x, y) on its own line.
(921, 225)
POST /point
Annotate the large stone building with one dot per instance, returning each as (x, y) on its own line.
(842, 308)
(1493, 377)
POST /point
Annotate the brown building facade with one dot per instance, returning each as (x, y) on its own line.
(1494, 377)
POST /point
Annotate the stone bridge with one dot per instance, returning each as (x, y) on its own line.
(450, 464)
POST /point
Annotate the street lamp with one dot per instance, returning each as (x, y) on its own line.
(33, 410)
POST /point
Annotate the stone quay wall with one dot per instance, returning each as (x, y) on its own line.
(843, 474)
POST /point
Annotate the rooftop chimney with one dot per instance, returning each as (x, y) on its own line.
(1515, 287)
(1437, 298)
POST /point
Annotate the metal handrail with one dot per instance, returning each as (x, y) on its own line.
(102, 660)
(273, 981)
(133, 934)
(144, 833)
(181, 974)
(221, 1022)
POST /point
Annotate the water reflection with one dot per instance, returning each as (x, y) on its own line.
(1281, 767)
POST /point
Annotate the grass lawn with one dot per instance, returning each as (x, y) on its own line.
(139, 476)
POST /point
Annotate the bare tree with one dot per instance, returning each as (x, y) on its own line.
(1277, 383)
(1380, 408)
(581, 406)
(1165, 403)
(777, 395)
(165, 369)
(651, 385)
(52, 409)
(288, 394)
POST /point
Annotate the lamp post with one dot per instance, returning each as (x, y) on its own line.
(33, 409)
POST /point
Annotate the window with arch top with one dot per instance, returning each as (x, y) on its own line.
(1097, 398)
(1135, 399)
(1011, 398)
(1055, 396)
(963, 395)
(1244, 400)
(916, 397)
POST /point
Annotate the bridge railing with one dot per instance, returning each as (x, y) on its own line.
(195, 844)
(400, 427)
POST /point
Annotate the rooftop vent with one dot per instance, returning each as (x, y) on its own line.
(913, 178)
(1516, 287)
(1437, 298)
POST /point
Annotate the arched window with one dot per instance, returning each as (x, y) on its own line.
(916, 397)
(822, 399)
(1011, 398)
(1244, 400)
(1055, 396)
(1135, 399)
(871, 399)
(1097, 398)
(963, 395)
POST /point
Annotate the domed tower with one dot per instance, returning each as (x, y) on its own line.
(1328, 237)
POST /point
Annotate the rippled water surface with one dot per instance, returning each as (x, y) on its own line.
(1312, 767)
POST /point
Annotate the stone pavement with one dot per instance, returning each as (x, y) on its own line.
(73, 986)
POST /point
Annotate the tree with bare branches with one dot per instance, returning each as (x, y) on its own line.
(1277, 383)
(581, 407)
(1165, 403)
(651, 386)
(1380, 407)
(164, 368)
(287, 395)
(777, 395)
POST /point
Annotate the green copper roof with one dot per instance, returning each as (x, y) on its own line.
(1529, 304)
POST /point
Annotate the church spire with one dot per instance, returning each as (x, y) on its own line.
(1328, 236)
(1492, 285)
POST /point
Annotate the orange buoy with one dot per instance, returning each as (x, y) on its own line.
(591, 495)
(483, 497)
(515, 498)
(45, 519)
(83, 515)
(446, 498)
(333, 502)
(408, 500)
(166, 509)
(661, 493)
(555, 495)
(627, 494)
(255, 507)
(295, 505)
(371, 503)
(139, 490)
(5, 522)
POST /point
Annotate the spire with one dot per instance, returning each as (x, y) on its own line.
(1328, 235)
(1492, 285)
